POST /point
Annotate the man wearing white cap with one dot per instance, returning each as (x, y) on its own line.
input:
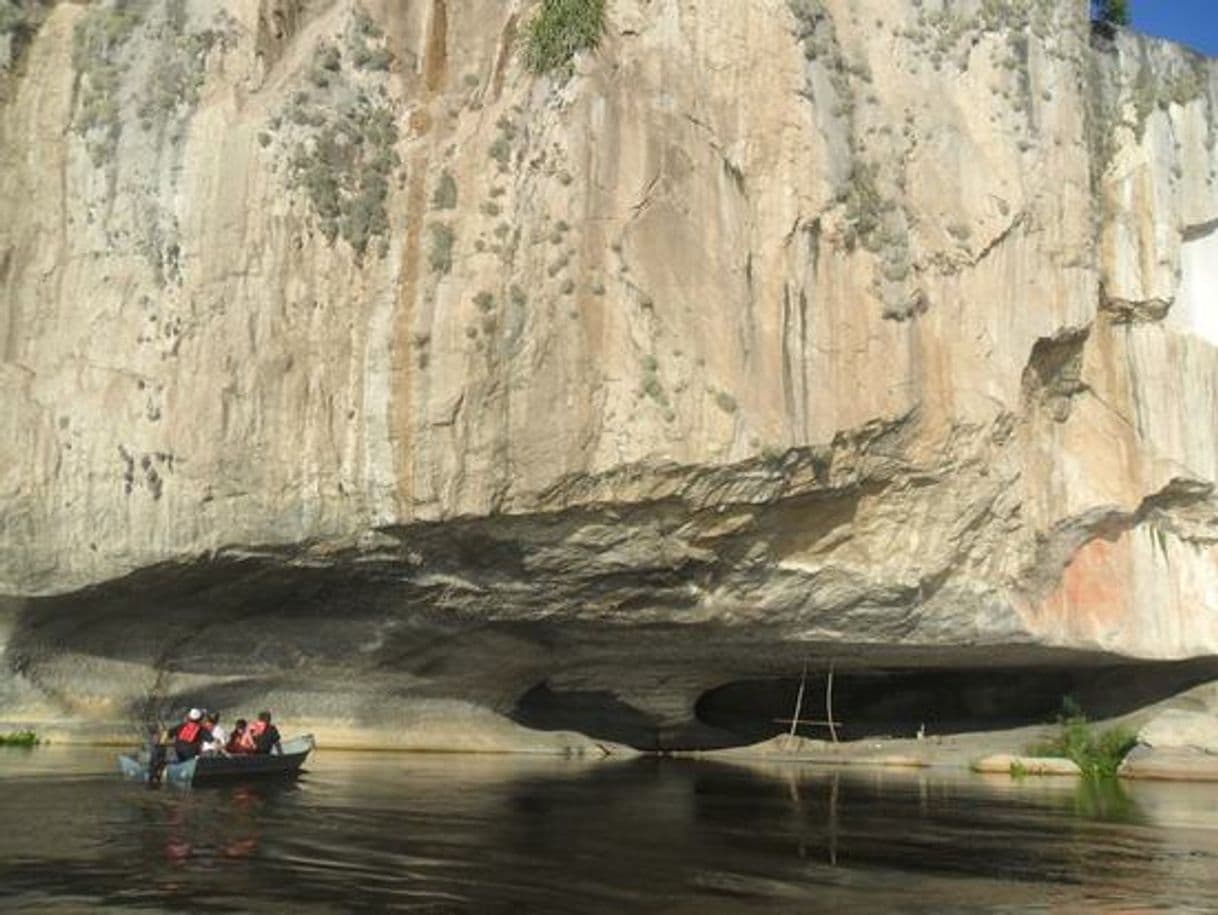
(188, 736)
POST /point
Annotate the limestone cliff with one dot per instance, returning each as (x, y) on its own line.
(352, 367)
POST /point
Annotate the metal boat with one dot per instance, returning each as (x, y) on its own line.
(224, 767)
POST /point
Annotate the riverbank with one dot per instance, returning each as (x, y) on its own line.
(1172, 746)
(1176, 745)
(950, 751)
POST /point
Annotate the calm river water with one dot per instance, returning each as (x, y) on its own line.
(486, 834)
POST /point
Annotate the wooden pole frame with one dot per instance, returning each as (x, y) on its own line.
(799, 700)
(829, 703)
(795, 721)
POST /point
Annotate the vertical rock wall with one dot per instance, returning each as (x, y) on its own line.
(810, 323)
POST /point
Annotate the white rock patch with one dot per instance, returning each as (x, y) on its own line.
(1196, 305)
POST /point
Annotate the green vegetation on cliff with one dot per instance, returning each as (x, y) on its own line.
(344, 154)
(560, 30)
(445, 195)
(365, 43)
(165, 94)
(170, 94)
(1113, 12)
(339, 134)
(345, 167)
(19, 20)
(441, 254)
(97, 45)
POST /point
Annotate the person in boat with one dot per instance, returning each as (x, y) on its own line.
(188, 736)
(249, 742)
(236, 740)
(214, 736)
(265, 735)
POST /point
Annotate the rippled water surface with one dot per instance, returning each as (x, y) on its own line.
(472, 834)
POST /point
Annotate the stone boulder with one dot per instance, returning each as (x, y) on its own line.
(1170, 764)
(1026, 765)
(1176, 745)
(1179, 729)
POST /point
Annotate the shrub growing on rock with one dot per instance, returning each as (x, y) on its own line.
(345, 163)
(441, 255)
(1111, 12)
(561, 29)
(445, 195)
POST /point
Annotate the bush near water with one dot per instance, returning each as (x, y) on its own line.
(1098, 754)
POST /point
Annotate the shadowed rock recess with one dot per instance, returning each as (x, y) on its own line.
(352, 369)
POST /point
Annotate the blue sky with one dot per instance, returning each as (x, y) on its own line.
(1190, 22)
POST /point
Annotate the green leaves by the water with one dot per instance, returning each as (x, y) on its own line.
(1096, 753)
(561, 29)
(19, 739)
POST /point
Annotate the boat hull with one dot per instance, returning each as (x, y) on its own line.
(212, 769)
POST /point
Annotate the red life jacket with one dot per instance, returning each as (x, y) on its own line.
(189, 732)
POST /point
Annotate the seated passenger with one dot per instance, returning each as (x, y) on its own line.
(249, 742)
(188, 736)
(236, 740)
(265, 735)
(214, 735)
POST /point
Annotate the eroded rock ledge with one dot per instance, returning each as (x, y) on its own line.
(674, 622)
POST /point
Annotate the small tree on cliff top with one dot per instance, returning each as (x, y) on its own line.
(1112, 12)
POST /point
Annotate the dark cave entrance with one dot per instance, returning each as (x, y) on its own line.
(597, 713)
(895, 703)
(871, 702)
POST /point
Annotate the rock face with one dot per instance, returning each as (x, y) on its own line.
(353, 368)
(1177, 729)
(1176, 745)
